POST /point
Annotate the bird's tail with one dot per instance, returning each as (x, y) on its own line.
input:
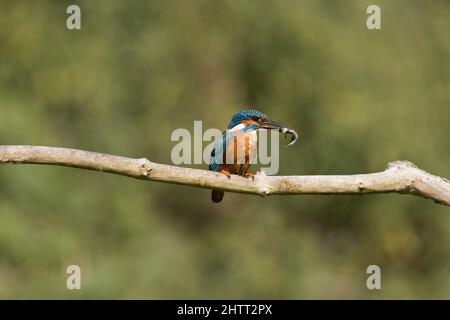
(216, 195)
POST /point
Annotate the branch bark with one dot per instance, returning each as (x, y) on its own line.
(399, 177)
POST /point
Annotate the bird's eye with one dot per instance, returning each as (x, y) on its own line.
(254, 118)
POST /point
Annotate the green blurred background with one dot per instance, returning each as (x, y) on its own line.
(140, 69)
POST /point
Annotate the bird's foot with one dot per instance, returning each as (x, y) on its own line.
(249, 174)
(226, 172)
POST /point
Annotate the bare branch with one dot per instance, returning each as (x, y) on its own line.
(400, 176)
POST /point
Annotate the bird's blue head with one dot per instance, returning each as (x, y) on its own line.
(246, 117)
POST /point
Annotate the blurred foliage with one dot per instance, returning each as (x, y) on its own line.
(137, 70)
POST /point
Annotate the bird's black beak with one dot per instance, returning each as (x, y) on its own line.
(272, 125)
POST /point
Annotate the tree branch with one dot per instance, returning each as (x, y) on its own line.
(399, 177)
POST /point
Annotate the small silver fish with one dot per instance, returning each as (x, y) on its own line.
(292, 132)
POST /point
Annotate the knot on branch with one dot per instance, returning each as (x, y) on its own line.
(145, 166)
(401, 164)
(361, 186)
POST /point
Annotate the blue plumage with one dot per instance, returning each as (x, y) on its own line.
(217, 154)
(244, 115)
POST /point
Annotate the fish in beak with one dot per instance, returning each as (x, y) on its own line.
(272, 125)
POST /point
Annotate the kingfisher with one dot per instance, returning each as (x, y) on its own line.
(236, 149)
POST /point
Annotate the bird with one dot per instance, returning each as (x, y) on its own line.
(226, 156)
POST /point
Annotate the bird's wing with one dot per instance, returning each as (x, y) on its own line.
(217, 154)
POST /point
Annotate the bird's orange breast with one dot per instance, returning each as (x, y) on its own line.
(241, 152)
